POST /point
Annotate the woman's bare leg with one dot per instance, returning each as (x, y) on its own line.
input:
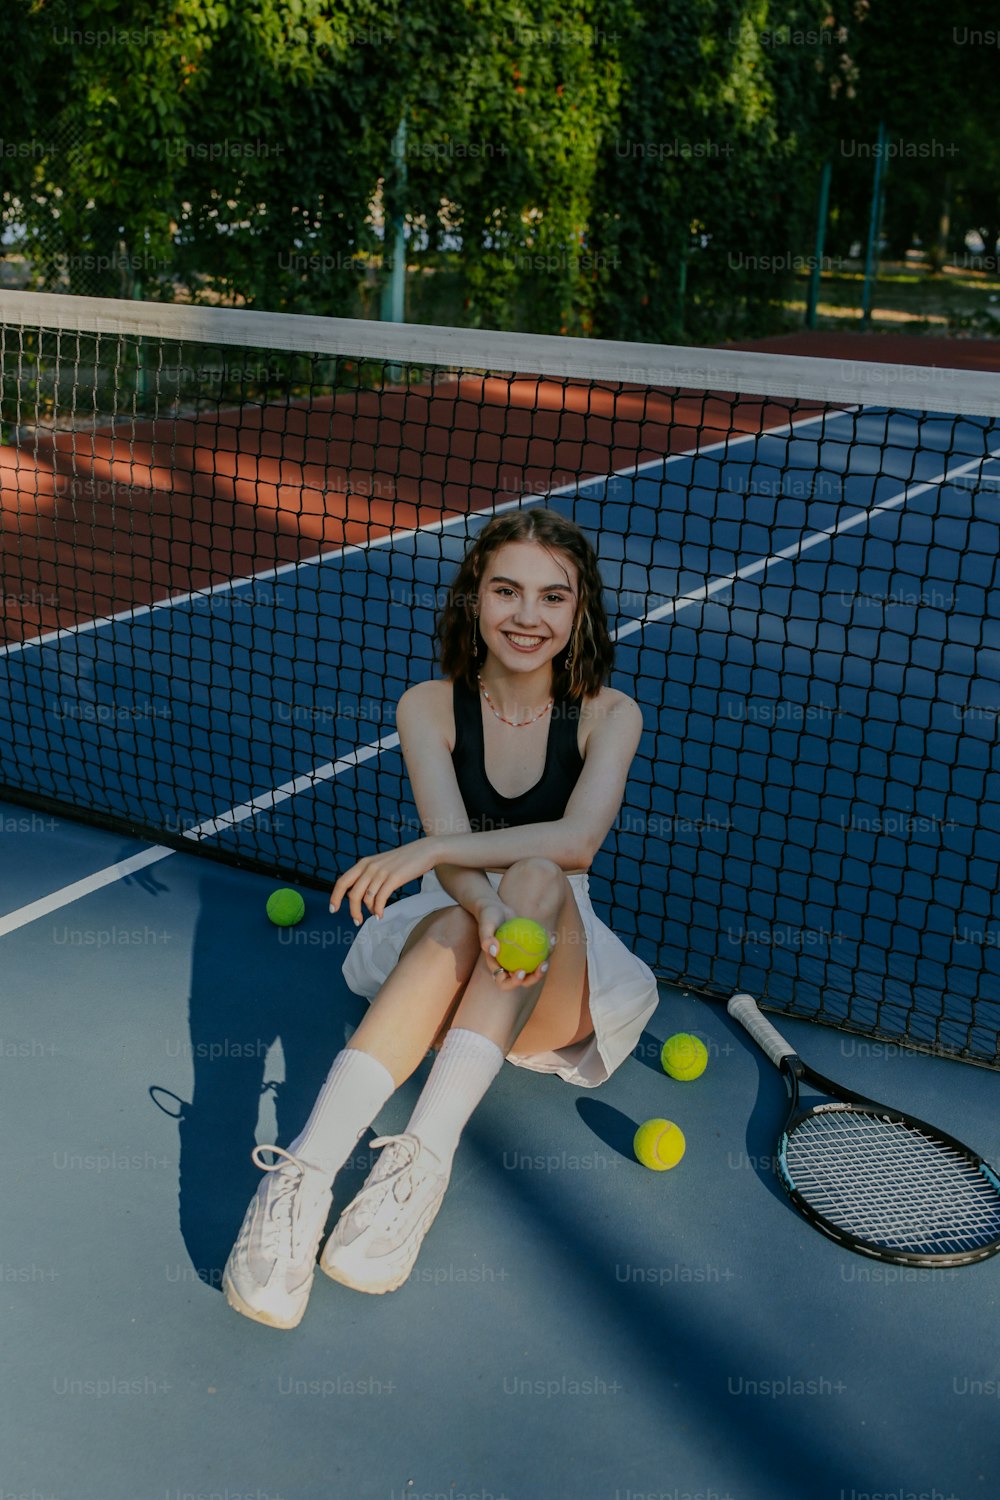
(555, 1012)
(414, 1007)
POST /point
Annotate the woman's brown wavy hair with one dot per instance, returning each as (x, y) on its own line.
(593, 650)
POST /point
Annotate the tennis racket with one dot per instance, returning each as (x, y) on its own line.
(873, 1178)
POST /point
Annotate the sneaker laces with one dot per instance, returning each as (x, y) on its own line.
(393, 1171)
(289, 1215)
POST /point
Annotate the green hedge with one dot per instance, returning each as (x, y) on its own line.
(631, 169)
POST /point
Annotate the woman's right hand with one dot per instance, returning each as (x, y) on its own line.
(493, 914)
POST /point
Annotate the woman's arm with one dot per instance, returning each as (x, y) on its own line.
(503, 847)
(470, 888)
(436, 793)
(573, 840)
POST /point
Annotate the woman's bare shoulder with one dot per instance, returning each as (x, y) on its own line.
(595, 710)
(604, 703)
(428, 695)
(609, 698)
(432, 701)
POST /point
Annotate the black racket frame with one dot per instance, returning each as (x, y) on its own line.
(796, 1072)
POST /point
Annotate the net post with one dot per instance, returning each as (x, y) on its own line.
(394, 287)
(874, 226)
(821, 218)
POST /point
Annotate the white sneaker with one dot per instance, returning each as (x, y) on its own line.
(378, 1237)
(269, 1273)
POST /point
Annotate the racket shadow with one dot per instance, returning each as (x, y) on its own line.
(766, 1114)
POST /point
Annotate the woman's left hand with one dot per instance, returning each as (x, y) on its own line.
(373, 879)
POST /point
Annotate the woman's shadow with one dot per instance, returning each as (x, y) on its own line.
(254, 985)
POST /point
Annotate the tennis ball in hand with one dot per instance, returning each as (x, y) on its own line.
(659, 1144)
(285, 907)
(684, 1056)
(522, 944)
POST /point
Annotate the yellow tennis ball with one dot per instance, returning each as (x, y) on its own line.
(522, 944)
(684, 1056)
(659, 1144)
(285, 907)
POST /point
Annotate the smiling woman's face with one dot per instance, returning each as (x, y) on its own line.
(527, 604)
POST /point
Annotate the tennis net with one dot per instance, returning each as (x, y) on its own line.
(226, 534)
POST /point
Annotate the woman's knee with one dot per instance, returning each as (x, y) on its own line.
(537, 876)
(455, 928)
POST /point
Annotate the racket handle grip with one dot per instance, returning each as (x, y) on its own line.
(743, 1008)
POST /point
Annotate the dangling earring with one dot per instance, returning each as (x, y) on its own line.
(475, 634)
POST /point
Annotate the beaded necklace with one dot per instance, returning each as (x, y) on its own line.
(513, 722)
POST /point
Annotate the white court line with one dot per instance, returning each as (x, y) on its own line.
(70, 893)
(395, 537)
(306, 782)
(239, 814)
(303, 783)
(151, 856)
(815, 539)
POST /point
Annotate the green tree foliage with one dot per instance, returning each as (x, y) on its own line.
(708, 188)
(929, 75)
(641, 169)
(225, 148)
(505, 153)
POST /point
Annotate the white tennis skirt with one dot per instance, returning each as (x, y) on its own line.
(623, 993)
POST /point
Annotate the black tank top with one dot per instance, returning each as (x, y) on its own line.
(544, 802)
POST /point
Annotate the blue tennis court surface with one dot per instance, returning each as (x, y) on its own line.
(575, 1324)
(810, 621)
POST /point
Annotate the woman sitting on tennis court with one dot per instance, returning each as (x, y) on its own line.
(518, 762)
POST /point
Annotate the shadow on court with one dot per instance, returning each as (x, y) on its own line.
(268, 1012)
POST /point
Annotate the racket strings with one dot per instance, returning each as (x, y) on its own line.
(891, 1184)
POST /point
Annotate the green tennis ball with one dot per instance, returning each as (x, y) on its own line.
(523, 944)
(285, 907)
(684, 1056)
(659, 1145)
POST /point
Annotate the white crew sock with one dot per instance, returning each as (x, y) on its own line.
(463, 1070)
(356, 1088)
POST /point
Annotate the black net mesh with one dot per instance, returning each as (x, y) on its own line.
(222, 558)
